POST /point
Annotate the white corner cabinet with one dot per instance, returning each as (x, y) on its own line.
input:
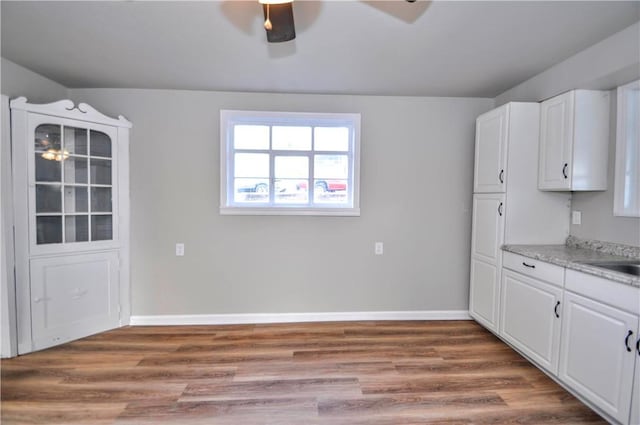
(507, 205)
(574, 141)
(580, 329)
(71, 207)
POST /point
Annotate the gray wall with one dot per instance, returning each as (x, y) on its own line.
(605, 65)
(16, 80)
(416, 185)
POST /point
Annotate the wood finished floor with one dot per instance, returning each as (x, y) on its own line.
(373, 373)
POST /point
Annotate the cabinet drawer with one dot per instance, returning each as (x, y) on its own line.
(535, 268)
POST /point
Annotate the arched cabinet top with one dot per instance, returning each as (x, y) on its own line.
(67, 109)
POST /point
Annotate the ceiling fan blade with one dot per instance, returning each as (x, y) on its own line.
(408, 11)
(281, 17)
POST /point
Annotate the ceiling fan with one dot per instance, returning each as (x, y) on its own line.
(280, 27)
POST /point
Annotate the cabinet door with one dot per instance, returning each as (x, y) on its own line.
(73, 296)
(635, 403)
(488, 226)
(556, 142)
(597, 357)
(484, 295)
(491, 151)
(530, 318)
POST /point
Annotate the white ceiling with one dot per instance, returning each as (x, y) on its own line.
(454, 48)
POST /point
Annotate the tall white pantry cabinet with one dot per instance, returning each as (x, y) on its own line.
(508, 208)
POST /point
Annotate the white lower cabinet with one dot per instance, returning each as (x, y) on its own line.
(597, 358)
(582, 329)
(530, 318)
(485, 293)
(635, 401)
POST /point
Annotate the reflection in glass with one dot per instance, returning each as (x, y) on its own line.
(291, 138)
(47, 170)
(47, 136)
(251, 165)
(75, 170)
(100, 144)
(101, 199)
(291, 167)
(291, 191)
(327, 191)
(101, 227)
(76, 199)
(331, 166)
(48, 198)
(251, 137)
(331, 139)
(251, 190)
(75, 140)
(100, 171)
(76, 228)
(48, 229)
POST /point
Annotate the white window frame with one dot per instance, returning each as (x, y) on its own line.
(229, 118)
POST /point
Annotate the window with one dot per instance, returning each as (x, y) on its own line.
(289, 163)
(626, 198)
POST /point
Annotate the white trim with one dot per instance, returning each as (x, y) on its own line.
(343, 212)
(255, 318)
(66, 109)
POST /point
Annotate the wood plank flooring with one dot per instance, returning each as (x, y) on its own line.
(373, 373)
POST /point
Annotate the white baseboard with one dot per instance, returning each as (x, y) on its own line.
(237, 319)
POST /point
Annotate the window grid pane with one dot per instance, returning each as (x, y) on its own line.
(73, 173)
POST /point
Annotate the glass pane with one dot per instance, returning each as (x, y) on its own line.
(75, 140)
(47, 170)
(48, 198)
(76, 228)
(330, 191)
(101, 199)
(331, 166)
(251, 137)
(100, 171)
(331, 139)
(101, 228)
(100, 144)
(291, 138)
(75, 170)
(291, 167)
(291, 191)
(251, 165)
(47, 137)
(251, 190)
(76, 199)
(48, 230)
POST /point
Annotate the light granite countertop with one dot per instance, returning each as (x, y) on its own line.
(574, 254)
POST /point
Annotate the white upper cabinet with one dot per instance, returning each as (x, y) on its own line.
(491, 151)
(574, 139)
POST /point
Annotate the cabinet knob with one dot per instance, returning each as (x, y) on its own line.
(626, 340)
(501, 176)
(564, 170)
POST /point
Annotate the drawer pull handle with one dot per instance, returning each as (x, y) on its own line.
(638, 347)
(626, 341)
(500, 209)
(501, 176)
(564, 170)
(555, 309)
(531, 266)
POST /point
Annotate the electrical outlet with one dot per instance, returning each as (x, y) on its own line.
(576, 217)
(379, 248)
(179, 249)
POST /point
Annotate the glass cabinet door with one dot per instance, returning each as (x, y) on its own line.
(73, 184)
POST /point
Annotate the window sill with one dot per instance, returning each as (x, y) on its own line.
(337, 212)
